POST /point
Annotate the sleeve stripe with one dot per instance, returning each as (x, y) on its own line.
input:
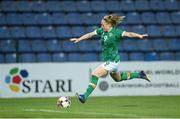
(123, 33)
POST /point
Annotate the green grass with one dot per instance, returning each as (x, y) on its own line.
(105, 107)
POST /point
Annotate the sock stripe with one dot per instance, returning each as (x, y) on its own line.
(93, 85)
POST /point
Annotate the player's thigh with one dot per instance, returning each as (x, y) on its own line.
(115, 76)
(100, 71)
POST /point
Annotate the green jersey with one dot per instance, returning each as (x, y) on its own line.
(110, 42)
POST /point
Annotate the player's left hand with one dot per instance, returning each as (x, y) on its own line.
(143, 36)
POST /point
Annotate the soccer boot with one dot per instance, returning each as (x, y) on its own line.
(81, 98)
(144, 76)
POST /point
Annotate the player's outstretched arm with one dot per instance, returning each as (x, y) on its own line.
(134, 35)
(83, 37)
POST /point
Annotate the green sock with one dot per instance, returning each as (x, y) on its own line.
(129, 75)
(92, 85)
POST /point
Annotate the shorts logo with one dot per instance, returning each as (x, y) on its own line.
(15, 78)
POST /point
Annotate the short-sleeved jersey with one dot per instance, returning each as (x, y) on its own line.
(110, 42)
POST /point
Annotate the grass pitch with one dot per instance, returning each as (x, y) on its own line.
(95, 107)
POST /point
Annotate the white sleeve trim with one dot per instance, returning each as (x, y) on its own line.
(123, 33)
(95, 32)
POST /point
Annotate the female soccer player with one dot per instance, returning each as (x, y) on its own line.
(110, 37)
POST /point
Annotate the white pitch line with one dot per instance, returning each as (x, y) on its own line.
(86, 113)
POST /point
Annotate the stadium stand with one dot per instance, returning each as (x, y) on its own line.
(39, 31)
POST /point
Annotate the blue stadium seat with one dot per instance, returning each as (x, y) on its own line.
(138, 29)
(23, 6)
(89, 19)
(174, 45)
(96, 45)
(89, 57)
(124, 56)
(53, 6)
(141, 5)
(69, 46)
(53, 45)
(130, 45)
(160, 45)
(78, 31)
(127, 5)
(74, 19)
(157, 5)
(69, 6)
(38, 6)
(167, 56)
(43, 19)
(43, 57)
(154, 31)
(125, 27)
(33, 32)
(24, 46)
(101, 6)
(83, 6)
(148, 18)
(177, 55)
(112, 6)
(177, 30)
(133, 18)
(163, 18)
(28, 19)
(175, 17)
(74, 57)
(17, 32)
(63, 32)
(13, 19)
(136, 56)
(171, 5)
(59, 19)
(8, 6)
(145, 45)
(38, 46)
(27, 57)
(10, 58)
(59, 57)
(168, 31)
(3, 21)
(151, 56)
(7, 46)
(1, 58)
(4, 32)
(85, 46)
(48, 32)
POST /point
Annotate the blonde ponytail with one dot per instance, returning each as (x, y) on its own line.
(113, 19)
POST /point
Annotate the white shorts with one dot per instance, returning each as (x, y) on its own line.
(111, 66)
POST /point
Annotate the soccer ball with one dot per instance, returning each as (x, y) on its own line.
(64, 102)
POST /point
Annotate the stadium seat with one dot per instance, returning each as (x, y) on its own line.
(59, 19)
(177, 28)
(130, 45)
(171, 5)
(127, 5)
(69, 6)
(154, 31)
(38, 6)
(13, 19)
(163, 18)
(160, 45)
(38, 46)
(145, 45)
(74, 57)
(78, 31)
(133, 18)
(101, 6)
(74, 19)
(1, 58)
(174, 45)
(63, 32)
(43, 19)
(23, 6)
(83, 6)
(33, 32)
(168, 31)
(177, 56)
(59, 57)
(27, 57)
(136, 56)
(8, 6)
(28, 19)
(138, 29)
(167, 56)
(112, 6)
(96, 45)
(53, 6)
(175, 17)
(69, 46)
(89, 19)
(3, 21)
(17, 32)
(24, 46)
(89, 57)
(10, 58)
(7, 46)
(4, 32)
(53, 45)
(156, 5)
(151, 56)
(141, 5)
(43, 57)
(124, 56)
(85, 46)
(48, 32)
(148, 18)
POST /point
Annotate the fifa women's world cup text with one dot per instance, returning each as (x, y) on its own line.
(110, 38)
